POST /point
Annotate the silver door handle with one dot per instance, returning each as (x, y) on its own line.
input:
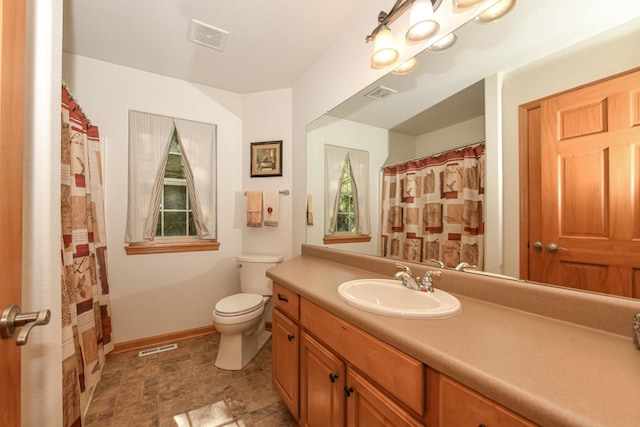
(537, 245)
(12, 318)
(552, 248)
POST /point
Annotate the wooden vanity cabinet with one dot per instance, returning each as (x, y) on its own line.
(331, 373)
(285, 348)
(461, 406)
(369, 406)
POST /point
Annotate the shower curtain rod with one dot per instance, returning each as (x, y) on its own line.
(482, 141)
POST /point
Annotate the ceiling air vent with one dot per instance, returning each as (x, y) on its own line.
(380, 93)
(207, 35)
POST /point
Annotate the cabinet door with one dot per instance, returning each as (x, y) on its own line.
(285, 358)
(367, 406)
(321, 385)
(461, 407)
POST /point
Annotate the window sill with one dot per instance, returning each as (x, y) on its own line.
(169, 247)
(349, 238)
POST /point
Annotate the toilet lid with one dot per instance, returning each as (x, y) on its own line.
(239, 304)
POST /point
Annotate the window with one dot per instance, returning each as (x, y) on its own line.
(346, 195)
(175, 216)
(172, 185)
(346, 215)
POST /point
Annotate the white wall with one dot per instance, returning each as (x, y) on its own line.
(463, 133)
(42, 358)
(588, 61)
(402, 147)
(161, 293)
(267, 117)
(344, 133)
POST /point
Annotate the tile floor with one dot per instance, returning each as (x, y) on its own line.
(183, 388)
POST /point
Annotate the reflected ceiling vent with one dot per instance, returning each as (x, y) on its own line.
(380, 93)
(207, 35)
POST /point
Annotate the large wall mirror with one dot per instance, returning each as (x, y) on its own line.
(471, 93)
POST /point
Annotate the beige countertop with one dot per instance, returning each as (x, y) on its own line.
(553, 372)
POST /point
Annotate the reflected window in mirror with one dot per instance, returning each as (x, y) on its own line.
(347, 217)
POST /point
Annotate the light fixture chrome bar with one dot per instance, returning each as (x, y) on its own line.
(387, 18)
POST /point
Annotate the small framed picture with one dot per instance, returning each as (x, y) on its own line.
(266, 159)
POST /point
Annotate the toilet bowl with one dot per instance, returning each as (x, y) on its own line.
(240, 318)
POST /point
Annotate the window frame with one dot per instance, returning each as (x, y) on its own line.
(186, 243)
(337, 237)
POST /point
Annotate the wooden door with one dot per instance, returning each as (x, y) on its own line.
(12, 58)
(285, 358)
(584, 187)
(322, 379)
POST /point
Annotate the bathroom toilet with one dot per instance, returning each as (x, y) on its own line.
(240, 318)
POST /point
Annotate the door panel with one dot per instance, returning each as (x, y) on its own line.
(12, 59)
(584, 216)
(584, 189)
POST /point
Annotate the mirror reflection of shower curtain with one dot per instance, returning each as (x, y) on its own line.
(432, 208)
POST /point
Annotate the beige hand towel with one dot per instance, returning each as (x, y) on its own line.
(271, 208)
(254, 208)
(309, 210)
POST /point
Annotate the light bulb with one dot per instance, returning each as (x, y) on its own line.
(463, 5)
(406, 67)
(495, 12)
(444, 43)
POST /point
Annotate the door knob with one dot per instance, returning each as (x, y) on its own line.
(552, 248)
(12, 318)
(537, 245)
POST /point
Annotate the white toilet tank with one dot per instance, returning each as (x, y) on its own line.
(253, 269)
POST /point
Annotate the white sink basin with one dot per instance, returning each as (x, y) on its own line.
(389, 297)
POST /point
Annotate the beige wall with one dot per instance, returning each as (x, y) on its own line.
(588, 61)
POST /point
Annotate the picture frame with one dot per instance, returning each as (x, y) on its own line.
(266, 159)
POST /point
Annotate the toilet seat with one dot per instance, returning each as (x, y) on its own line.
(238, 304)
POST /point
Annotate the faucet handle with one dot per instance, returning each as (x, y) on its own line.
(430, 273)
(403, 267)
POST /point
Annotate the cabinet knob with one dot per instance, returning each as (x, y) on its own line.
(290, 337)
(348, 391)
(333, 377)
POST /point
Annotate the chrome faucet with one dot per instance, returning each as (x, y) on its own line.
(438, 263)
(463, 265)
(406, 277)
(425, 284)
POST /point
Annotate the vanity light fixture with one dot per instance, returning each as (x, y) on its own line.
(406, 67)
(444, 43)
(384, 50)
(495, 12)
(423, 26)
(422, 23)
(463, 5)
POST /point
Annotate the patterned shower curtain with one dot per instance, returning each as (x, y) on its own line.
(86, 310)
(432, 208)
